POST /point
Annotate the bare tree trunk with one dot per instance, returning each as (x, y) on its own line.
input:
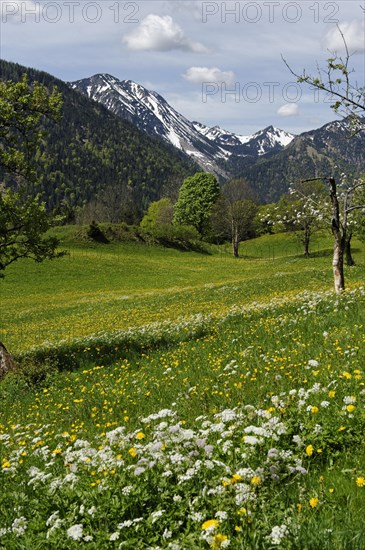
(306, 239)
(235, 239)
(349, 259)
(6, 362)
(306, 248)
(235, 244)
(337, 263)
(339, 233)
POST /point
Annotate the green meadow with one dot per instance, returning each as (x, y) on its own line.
(183, 400)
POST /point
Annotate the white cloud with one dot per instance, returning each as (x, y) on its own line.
(206, 74)
(354, 34)
(289, 109)
(161, 33)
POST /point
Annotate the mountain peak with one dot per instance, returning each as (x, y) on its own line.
(151, 113)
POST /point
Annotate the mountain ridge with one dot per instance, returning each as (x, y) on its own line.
(92, 151)
(151, 113)
(95, 155)
(270, 159)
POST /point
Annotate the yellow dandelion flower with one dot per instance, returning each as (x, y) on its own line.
(309, 450)
(140, 436)
(57, 451)
(314, 502)
(331, 394)
(210, 524)
(350, 408)
(132, 451)
(314, 409)
(256, 480)
(360, 481)
(218, 541)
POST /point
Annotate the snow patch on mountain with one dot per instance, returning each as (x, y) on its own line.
(151, 113)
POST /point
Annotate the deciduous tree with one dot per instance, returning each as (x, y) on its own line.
(197, 196)
(235, 211)
(23, 220)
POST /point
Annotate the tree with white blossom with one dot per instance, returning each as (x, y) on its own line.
(302, 211)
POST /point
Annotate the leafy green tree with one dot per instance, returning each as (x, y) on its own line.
(23, 223)
(158, 224)
(22, 106)
(197, 197)
(23, 220)
(159, 213)
(234, 212)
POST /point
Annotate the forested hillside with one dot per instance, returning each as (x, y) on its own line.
(91, 153)
(330, 150)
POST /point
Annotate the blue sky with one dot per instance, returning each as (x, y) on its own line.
(215, 62)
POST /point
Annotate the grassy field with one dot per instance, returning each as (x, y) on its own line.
(237, 423)
(100, 289)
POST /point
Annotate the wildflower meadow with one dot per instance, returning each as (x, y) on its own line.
(232, 416)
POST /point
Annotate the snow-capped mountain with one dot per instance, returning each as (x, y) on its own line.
(150, 112)
(264, 141)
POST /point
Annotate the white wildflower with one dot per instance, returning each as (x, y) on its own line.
(156, 515)
(349, 399)
(167, 534)
(75, 531)
(52, 518)
(277, 534)
(19, 526)
(251, 439)
(221, 515)
(126, 523)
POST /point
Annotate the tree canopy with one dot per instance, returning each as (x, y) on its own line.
(234, 212)
(23, 220)
(197, 196)
(22, 105)
(23, 223)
